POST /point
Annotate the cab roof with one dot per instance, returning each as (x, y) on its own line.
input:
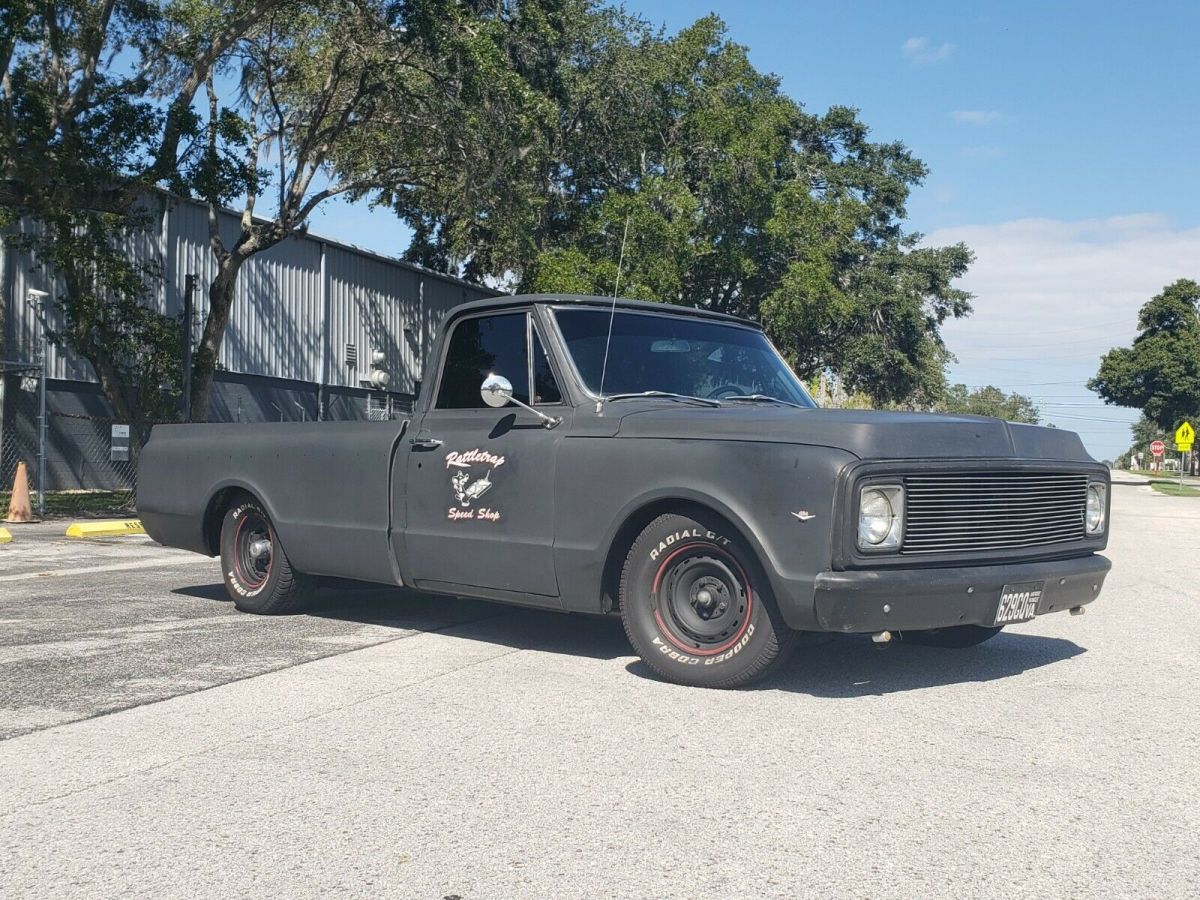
(509, 300)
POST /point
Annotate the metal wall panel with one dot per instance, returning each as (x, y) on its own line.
(287, 318)
(377, 306)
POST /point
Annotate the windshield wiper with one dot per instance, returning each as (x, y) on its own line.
(762, 398)
(665, 395)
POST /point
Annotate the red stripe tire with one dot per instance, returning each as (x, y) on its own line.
(696, 606)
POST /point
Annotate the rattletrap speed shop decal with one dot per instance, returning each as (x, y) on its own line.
(470, 478)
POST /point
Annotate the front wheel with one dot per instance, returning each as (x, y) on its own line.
(258, 575)
(956, 637)
(696, 606)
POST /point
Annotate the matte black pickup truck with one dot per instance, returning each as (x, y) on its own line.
(655, 462)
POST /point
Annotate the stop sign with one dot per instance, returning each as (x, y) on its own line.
(1157, 448)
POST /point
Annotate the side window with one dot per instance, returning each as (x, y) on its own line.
(478, 347)
(545, 388)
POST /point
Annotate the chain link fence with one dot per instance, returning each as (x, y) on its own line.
(76, 465)
(80, 464)
(91, 465)
(20, 386)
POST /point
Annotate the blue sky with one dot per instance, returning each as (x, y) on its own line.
(1063, 141)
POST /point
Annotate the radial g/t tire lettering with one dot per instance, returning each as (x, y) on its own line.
(696, 606)
(258, 575)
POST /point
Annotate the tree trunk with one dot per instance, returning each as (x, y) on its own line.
(220, 304)
(110, 383)
(94, 350)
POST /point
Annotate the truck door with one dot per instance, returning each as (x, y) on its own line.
(479, 492)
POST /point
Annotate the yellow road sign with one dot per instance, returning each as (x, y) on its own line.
(1185, 433)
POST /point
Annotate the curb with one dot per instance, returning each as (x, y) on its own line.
(5, 537)
(111, 528)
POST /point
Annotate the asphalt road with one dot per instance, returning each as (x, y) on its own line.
(160, 744)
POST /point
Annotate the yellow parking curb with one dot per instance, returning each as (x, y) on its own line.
(5, 537)
(109, 528)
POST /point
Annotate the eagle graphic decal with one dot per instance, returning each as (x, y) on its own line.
(468, 485)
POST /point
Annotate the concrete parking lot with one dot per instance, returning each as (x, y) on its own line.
(157, 743)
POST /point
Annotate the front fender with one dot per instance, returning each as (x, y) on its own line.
(603, 484)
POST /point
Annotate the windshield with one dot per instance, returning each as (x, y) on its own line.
(678, 354)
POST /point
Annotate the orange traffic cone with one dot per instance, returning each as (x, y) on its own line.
(18, 507)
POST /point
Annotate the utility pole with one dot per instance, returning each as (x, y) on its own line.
(189, 288)
(39, 301)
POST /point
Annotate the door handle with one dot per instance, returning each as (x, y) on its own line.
(425, 443)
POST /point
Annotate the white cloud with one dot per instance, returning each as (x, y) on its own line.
(978, 116)
(990, 151)
(1051, 297)
(922, 51)
(943, 194)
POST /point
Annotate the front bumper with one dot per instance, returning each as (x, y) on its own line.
(918, 599)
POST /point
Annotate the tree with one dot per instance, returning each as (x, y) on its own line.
(95, 109)
(1144, 432)
(302, 101)
(350, 97)
(1160, 373)
(736, 200)
(989, 401)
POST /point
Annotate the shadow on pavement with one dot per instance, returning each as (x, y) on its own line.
(204, 592)
(477, 620)
(835, 666)
(844, 666)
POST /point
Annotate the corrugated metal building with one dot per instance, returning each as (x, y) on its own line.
(309, 314)
(309, 309)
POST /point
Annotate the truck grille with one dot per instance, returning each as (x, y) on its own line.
(952, 513)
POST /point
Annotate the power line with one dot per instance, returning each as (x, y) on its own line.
(1023, 384)
(1092, 419)
(1027, 329)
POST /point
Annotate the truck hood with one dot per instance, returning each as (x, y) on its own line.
(866, 433)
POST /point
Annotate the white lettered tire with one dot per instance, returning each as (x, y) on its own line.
(696, 606)
(259, 578)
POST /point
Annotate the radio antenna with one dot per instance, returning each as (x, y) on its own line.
(612, 312)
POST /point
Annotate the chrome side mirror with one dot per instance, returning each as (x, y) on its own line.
(497, 392)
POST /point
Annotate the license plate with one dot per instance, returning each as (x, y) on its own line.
(1019, 602)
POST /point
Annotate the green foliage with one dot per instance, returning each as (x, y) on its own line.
(522, 140)
(96, 109)
(75, 133)
(736, 199)
(105, 313)
(989, 401)
(1160, 373)
(1174, 489)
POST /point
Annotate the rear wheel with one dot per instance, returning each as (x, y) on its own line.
(258, 576)
(956, 637)
(696, 606)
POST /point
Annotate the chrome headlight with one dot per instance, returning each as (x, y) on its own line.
(1094, 517)
(880, 517)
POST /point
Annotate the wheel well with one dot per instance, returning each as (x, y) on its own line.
(220, 503)
(610, 583)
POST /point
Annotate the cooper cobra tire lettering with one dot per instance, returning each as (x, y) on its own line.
(729, 654)
(281, 589)
(232, 581)
(671, 653)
